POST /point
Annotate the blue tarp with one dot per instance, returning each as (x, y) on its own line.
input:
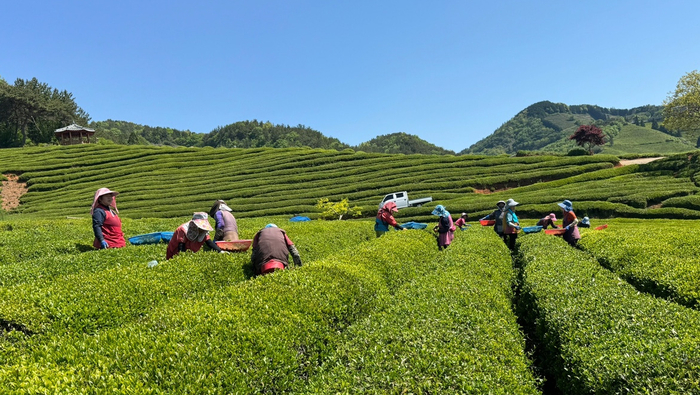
(414, 225)
(532, 229)
(299, 218)
(151, 238)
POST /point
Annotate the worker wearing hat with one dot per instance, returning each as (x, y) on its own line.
(461, 222)
(226, 225)
(569, 221)
(105, 220)
(385, 218)
(497, 215)
(445, 227)
(271, 250)
(511, 224)
(191, 235)
(548, 220)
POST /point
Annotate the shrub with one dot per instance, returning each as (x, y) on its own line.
(597, 334)
(577, 152)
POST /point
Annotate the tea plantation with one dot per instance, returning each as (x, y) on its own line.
(363, 314)
(168, 182)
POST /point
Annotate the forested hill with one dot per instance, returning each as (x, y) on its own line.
(401, 143)
(256, 134)
(550, 124)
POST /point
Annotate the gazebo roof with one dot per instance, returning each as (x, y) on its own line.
(74, 128)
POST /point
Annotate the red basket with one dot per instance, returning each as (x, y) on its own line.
(601, 227)
(556, 232)
(237, 245)
(487, 222)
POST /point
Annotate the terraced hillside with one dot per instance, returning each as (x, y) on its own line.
(174, 182)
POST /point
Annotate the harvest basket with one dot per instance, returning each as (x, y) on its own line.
(556, 232)
(601, 227)
(235, 246)
(487, 222)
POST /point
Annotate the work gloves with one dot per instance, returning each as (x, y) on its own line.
(104, 244)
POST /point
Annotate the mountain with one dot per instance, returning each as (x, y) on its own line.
(546, 126)
(255, 134)
(123, 132)
(401, 143)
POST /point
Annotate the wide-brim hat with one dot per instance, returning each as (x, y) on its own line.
(511, 203)
(201, 220)
(566, 205)
(439, 210)
(105, 191)
(224, 207)
(552, 216)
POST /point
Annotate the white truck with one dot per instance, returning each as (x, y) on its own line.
(401, 200)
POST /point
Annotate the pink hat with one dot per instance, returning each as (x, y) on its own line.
(552, 217)
(102, 192)
(391, 206)
(201, 220)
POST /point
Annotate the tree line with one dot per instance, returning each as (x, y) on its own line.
(31, 110)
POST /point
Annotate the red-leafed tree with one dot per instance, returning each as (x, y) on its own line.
(588, 136)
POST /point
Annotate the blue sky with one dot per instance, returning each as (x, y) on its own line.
(450, 72)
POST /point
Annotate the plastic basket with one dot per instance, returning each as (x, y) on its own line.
(487, 222)
(235, 246)
(148, 238)
(532, 229)
(601, 227)
(556, 232)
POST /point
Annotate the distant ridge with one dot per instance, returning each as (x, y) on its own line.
(401, 143)
(546, 126)
(257, 134)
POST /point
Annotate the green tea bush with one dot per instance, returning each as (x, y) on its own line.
(659, 257)
(116, 286)
(596, 333)
(450, 331)
(267, 334)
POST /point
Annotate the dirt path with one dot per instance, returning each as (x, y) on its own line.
(640, 161)
(11, 191)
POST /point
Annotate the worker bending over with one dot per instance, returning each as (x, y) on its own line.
(191, 235)
(548, 220)
(461, 222)
(385, 218)
(271, 249)
(569, 222)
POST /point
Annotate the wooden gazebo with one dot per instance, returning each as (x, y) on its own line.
(75, 134)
